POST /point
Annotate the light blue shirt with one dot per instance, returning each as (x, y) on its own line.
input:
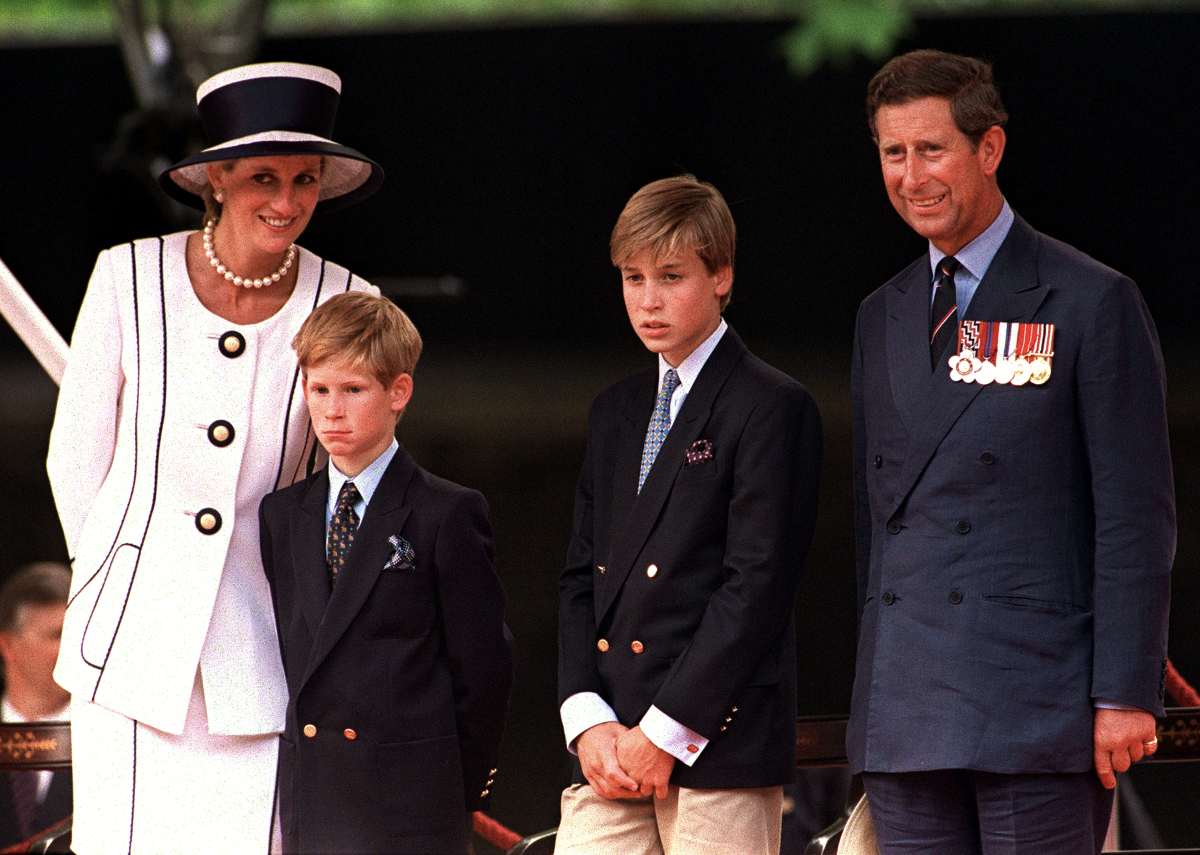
(366, 482)
(975, 258)
(690, 368)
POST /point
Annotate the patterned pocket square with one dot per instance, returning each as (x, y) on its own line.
(403, 556)
(698, 452)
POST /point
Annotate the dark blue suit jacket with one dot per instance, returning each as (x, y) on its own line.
(1014, 544)
(404, 673)
(728, 536)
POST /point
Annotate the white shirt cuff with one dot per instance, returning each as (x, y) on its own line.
(682, 743)
(581, 711)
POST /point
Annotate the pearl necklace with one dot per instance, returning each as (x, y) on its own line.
(244, 281)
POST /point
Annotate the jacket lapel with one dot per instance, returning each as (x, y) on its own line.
(647, 505)
(385, 515)
(634, 421)
(308, 552)
(908, 323)
(1010, 291)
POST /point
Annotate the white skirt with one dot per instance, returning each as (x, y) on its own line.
(145, 792)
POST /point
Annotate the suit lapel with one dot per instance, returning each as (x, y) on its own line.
(385, 515)
(634, 421)
(647, 506)
(308, 552)
(1010, 291)
(908, 324)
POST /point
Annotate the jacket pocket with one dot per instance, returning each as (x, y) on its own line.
(421, 785)
(109, 605)
(1034, 604)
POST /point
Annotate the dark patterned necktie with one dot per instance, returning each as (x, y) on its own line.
(25, 804)
(342, 528)
(660, 425)
(944, 311)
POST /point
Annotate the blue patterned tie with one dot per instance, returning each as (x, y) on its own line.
(660, 424)
(342, 528)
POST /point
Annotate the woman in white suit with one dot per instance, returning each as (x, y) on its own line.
(179, 409)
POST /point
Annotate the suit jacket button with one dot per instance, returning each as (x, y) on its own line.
(955, 597)
(893, 527)
(987, 458)
(350, 733)
(601, 569)
(310, 730)
(652, 571)
(602, 645)
(232, 344)
(636, 646)
(888, 598)
(878, 461)
(692, 749)
(962, 527)
(208, 521)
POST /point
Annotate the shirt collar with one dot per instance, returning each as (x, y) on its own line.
(365, 481)
(977, 255)
(689, 369)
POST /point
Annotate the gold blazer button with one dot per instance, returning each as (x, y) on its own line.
(310, 730)
(652, 571)
(602, 645)
(637, 646)
(350, 733)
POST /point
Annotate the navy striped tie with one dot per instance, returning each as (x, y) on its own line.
(943, 315)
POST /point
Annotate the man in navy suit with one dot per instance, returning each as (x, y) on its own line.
(1015, 518)
(390, 614)
(695, 507)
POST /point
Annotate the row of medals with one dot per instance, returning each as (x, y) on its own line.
(965, 367)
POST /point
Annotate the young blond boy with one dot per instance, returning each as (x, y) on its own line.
(389, 610)
(695, 508)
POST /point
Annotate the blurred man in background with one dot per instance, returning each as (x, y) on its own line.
(32, 604)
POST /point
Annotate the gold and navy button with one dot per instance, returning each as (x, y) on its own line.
(350, 733)
(602, 645)
(637, 647)
(220, 433)
(208, 521)
(310, 730)
(232, 344)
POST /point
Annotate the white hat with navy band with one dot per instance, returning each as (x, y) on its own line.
(274, 108)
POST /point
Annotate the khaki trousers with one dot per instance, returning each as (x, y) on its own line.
(686, 822)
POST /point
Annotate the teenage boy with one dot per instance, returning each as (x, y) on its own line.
(389, 611)
(694, 511)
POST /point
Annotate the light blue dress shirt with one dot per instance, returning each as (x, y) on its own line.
(975, 258)
(366, 482)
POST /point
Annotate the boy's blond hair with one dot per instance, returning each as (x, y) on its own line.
(672, 215)
(365, 331)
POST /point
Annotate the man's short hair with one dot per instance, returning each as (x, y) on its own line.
(45, 583)
(964, 81)
(367, 332)
(671, 215)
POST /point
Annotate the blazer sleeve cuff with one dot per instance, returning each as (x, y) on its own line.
(581, 711)
(681, 742)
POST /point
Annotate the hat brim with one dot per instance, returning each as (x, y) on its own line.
(348, 176)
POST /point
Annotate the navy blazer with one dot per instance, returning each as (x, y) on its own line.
(1014, 543)
(398, 682)
(727, 535)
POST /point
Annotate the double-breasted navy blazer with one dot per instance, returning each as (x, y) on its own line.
(1014, 543)
(727, 536)
(398, 681)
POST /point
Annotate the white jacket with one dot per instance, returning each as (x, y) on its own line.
(135, 470)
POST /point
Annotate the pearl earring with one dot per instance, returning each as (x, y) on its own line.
(219, 197)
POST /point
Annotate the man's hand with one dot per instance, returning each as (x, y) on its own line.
(645, 761)
(1121, 738)
(597, 749)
